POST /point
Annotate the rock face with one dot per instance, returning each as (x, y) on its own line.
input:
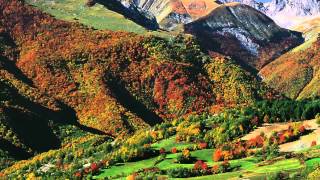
(286, 13)
(295, 10)
(171, 13)
(130, 11)
(257, 5)
(294, 7)
(233, 29)
(243, 33)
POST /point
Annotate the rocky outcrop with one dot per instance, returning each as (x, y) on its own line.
(244, 33)
(171, 13)
(130, 11)
(293, 7)
(286, 13)
(233, 29)
(295, 10)
(257, 5)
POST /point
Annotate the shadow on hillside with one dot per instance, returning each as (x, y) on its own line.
(71, 116)
(125, 98)
(12, 68)
(32, 130)
(13, 151)
(9, 65)
(31, 123)
(131, 13)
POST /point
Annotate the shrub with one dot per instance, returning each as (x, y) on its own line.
(302, 129)
(94, 168)
(256, 142)
(174, 150)
(185, 157)
(202, 145)
(271, 151)
(215, 169)
(186, 153)
(217, 155)
(180, 173)
(225, 166)
(78, 174)
(200, 166)
(318, 118)
(162, 151)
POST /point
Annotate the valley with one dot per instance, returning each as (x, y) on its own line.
(159, 89)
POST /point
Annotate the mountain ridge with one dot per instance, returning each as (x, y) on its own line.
(281, 10)
(71, 81)
(245, 28)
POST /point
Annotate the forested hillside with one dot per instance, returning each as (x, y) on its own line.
(106, 82)
(296, 73)
(80, 101)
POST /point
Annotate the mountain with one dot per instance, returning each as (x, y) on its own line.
(62, 81)
(310, 28)
(30, 121)
(295, 10)
(282, 10)
(171, 13)
(253, 35)
(130, 11)
(88, 13)
(244, 33)
(95, 90)
(253, 3)
(296, 73)
(293, 7)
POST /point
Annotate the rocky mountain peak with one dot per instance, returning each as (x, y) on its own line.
(286, 13)
(293, 7)
(257, 5)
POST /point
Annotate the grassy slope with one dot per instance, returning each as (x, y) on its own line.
(248, 166)
(97, 16)
(170, 143)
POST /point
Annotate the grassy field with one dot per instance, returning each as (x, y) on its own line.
(97, 16)
(170, 143)
(247, 167)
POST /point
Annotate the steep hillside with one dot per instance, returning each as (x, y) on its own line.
(30, 122)
(63, 85)
(253, 3)
(117, 82)
(253, 41)
(171, 13)
(296, 73)
(243, 33)
(130, 11)
(97, 16)
(310, 29)
(286, 13)
(82, 103)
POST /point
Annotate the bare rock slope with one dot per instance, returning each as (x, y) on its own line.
(244, 33)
